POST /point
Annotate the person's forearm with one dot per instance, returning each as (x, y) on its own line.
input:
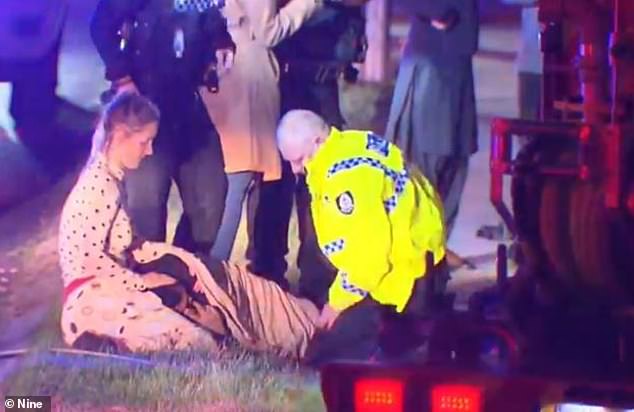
(271, 24)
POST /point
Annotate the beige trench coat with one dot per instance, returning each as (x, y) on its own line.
(247, 107)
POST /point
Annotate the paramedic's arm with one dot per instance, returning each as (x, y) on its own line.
(355, 213)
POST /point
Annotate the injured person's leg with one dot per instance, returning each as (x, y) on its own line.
(181, 297)
(256, 312)
(261, 316)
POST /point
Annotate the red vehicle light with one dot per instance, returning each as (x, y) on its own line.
(378, 395)
(456, 398)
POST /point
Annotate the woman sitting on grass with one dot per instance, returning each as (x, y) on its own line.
(116, 287)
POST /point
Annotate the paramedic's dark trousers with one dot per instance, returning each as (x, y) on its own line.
(368, 328)
(187, 149)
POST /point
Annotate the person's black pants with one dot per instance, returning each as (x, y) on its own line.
(270, 215)
(369, 328)
(268, 237)
(301, 92)
(187, 149)
(529, 95)
(34, 102)
(448, 174)
(401, 332)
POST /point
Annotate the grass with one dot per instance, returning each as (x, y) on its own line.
(182, 381)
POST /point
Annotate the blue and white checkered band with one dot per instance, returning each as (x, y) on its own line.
(349, 287)
(378, 144)
(199, 6)
(399, 187)
(400, 178)
(333, 247)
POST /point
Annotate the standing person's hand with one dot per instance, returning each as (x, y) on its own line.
(125, 84)
(327, 317)
(447, 22)
(153, 280)
(439, 25)
(224, 60)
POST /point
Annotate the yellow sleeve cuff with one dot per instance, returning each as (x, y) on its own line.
(342, 294)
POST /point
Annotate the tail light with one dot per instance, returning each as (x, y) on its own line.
(378, 395)
(456, 398)
(369, 387)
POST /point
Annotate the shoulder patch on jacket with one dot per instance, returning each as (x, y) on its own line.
(345, 203)
(378, 144)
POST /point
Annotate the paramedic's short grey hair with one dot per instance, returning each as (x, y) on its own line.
(300, 126)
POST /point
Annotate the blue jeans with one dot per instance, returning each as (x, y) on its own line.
(187, 150)
(239, 185)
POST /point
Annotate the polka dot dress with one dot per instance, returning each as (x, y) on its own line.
(102, 295)
(95, 230)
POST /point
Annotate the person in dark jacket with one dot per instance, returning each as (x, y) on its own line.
(30, 40)
(433, 113)
(312, 61)
(165, 49)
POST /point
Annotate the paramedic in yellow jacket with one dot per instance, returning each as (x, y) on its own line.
(375, 219)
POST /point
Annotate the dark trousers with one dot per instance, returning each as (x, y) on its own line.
(369, 328)
(34, 102)
(270, 215)
(448, 174)
(529, 98)
(268, 237)
(529, 95)
(187, 149)
(299, 92)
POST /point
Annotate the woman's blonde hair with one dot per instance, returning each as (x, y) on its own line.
(126, 109)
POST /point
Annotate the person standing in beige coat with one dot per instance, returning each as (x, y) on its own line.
(246, 108)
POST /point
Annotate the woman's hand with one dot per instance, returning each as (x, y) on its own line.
(153, 280)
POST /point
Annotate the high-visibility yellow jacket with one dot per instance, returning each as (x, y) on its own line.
(375, 220)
